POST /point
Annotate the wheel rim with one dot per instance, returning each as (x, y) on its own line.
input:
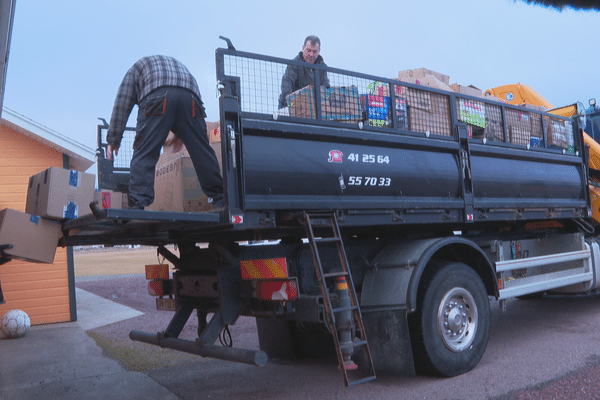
(457, 319)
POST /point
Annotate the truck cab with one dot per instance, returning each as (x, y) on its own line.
(592, 114)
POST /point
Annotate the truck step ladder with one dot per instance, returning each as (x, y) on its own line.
(344, 342)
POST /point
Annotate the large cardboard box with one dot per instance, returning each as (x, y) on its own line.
(176, 184)
(58, 193)
(177, 188)
(33, 238)
(338, 103)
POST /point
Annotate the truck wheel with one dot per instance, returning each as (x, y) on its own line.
(451, 326)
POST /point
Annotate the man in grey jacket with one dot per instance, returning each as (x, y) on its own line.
(296, 76)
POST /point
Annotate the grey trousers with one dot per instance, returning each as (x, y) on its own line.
(180, 111)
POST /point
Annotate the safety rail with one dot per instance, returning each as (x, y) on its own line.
(389, 105)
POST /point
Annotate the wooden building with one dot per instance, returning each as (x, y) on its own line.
(46, 292)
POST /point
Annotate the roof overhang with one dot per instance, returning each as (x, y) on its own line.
(81, 157)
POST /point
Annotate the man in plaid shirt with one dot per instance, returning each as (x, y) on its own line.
(169, 100)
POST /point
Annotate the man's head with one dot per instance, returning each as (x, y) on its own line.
(311, 49)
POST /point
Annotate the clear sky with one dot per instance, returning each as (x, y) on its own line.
(68, 57)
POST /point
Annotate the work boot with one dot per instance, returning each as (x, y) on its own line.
(133, 204)
(218, 204)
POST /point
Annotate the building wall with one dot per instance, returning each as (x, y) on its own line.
(41, 290)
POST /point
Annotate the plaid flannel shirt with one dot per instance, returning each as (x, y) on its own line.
(146, 75)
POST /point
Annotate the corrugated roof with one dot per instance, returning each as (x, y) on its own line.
(81, 156)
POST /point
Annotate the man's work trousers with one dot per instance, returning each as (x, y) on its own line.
(180, 111)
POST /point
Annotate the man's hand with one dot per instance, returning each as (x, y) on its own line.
(111, 152)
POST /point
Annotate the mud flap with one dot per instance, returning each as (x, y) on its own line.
(389, 341)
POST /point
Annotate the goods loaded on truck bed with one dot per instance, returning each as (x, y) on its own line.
(387, 212)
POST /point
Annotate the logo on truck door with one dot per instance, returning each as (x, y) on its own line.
(335, 156)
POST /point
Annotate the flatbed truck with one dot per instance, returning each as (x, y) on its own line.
(377, 235)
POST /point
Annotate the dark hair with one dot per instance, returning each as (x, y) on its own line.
(314, 40)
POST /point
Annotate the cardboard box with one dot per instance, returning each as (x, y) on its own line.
(420, 120)
(401, 121)
(377, 107)
(109, 199)
(33, 238)
(420, 73)
(520, 136)
(338, 103)
(467, 90)
(424, 121)
(213, 129)
(176, 184)
(420, 99)
(177, 188)
(472, 112)
(379, 89)
(58, 193)
(558, 134)
(433, 82)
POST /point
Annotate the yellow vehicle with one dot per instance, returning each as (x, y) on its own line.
(518, 94)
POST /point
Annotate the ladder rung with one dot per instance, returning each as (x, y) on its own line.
(327, 240)
(353, 344)
(335, 310)
(367, 379)
(335, 274)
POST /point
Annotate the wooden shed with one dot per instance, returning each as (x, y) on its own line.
(46, 292)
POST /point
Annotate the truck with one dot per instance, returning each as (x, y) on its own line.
(374, 219)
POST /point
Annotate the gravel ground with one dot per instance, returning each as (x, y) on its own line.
(131, 290)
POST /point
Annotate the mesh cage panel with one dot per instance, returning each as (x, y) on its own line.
(559, 134)
(123, 159)
(348, 98)
(519, 126)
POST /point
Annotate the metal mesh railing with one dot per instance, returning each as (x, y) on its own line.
(347, 98)
(395, 106)
(123, 159)
(559, 134)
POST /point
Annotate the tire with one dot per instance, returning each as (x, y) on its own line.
(451, 326)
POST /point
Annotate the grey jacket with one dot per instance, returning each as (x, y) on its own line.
(296, 77)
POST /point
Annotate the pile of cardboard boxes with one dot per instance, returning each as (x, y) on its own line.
(424, 111)
(53, 195)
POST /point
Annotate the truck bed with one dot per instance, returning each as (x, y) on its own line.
(439, 161)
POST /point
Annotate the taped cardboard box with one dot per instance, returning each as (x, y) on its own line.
(58, 193)
(33, 238)
(176, 184)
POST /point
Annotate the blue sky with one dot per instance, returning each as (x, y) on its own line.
(68, 57)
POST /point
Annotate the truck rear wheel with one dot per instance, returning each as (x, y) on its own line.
(452, 323)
